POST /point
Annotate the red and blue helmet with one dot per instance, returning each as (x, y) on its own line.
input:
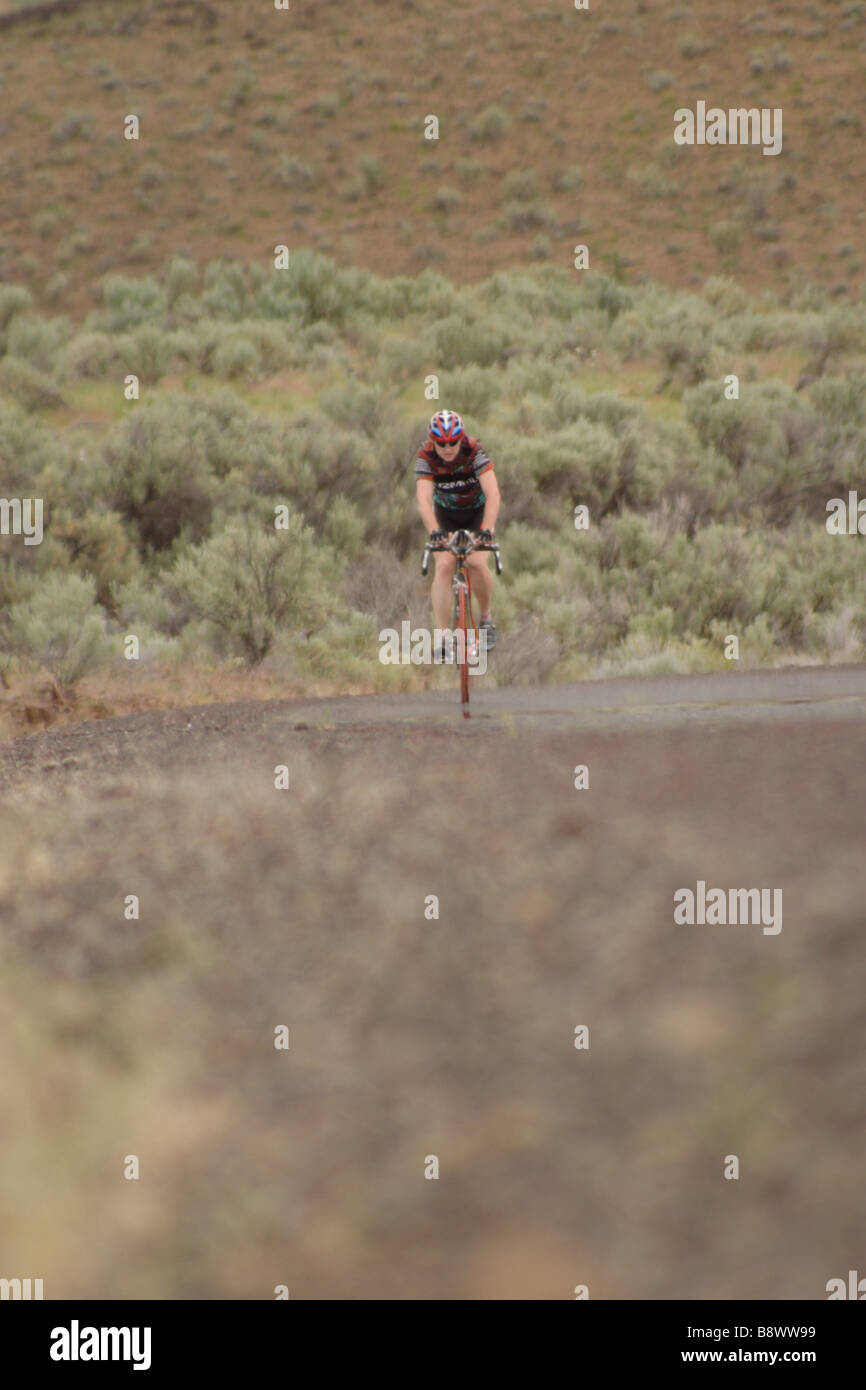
(446, 427)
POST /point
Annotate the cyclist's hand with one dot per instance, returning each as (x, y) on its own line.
(439, 535)
(485, 536)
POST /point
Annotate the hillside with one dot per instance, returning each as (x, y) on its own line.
(307, 127)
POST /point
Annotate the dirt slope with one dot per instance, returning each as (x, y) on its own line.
(306, 126)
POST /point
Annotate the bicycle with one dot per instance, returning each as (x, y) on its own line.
(462, 544)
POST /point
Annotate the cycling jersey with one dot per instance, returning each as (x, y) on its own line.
(455, 485)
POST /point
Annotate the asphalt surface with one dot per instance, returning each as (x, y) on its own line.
(624, 703)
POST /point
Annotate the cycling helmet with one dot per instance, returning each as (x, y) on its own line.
(446, 427)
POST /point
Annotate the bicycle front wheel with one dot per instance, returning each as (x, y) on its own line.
(463, 623)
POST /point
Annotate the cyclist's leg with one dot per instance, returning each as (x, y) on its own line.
(482, 579)
(482, 576)
(441, 593)
(441, 589)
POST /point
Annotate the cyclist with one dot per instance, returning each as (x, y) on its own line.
(449, 469)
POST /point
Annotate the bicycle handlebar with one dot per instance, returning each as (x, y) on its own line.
(462, 543)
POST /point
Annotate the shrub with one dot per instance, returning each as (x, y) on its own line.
(690, 46)
(248, 582)
(603, 293)
(534, 298)
(327, 105)
(75, 124)
(241, 87)
(345, 529)
(372, 173)
(60, 626)
(649, 182)
(294, 173)
(37, 340)
(181, 279)
(320, 291)
(742, 430)
(405, 296)
(458, 341)
(97, 545)
(521, 185)
(27, 447)
(236, 356)
(152, 175)
(315, 460)
(14, 299)
(105, 75)
(226, 294)
(567, 180)
(474, 388)
(389, 592)
(346, 650)
(160, 480)
(713, 578)
(682, 335)
(840, 329)
(130, 302)
(400, 358)
(150, 354)
(726, 296)
(273, 348)
(57, 289)
(34, 389)
(751, 332)
(725, 236)
(568, 402)
(98, 355)
(273, 296)
(521, 216)
(531, 653)
(355, 406)
(578, 463)
(445, 200)
(491, 124)
(533, 112)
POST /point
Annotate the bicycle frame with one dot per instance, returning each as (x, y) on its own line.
(461, 544)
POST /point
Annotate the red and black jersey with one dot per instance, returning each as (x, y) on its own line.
(455, 485)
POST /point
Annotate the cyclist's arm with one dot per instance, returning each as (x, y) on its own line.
(424, 494)
(491, 499)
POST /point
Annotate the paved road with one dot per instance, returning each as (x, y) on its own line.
(809, 695)
(795, 692)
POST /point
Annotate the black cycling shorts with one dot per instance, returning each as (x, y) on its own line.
(463, 518)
